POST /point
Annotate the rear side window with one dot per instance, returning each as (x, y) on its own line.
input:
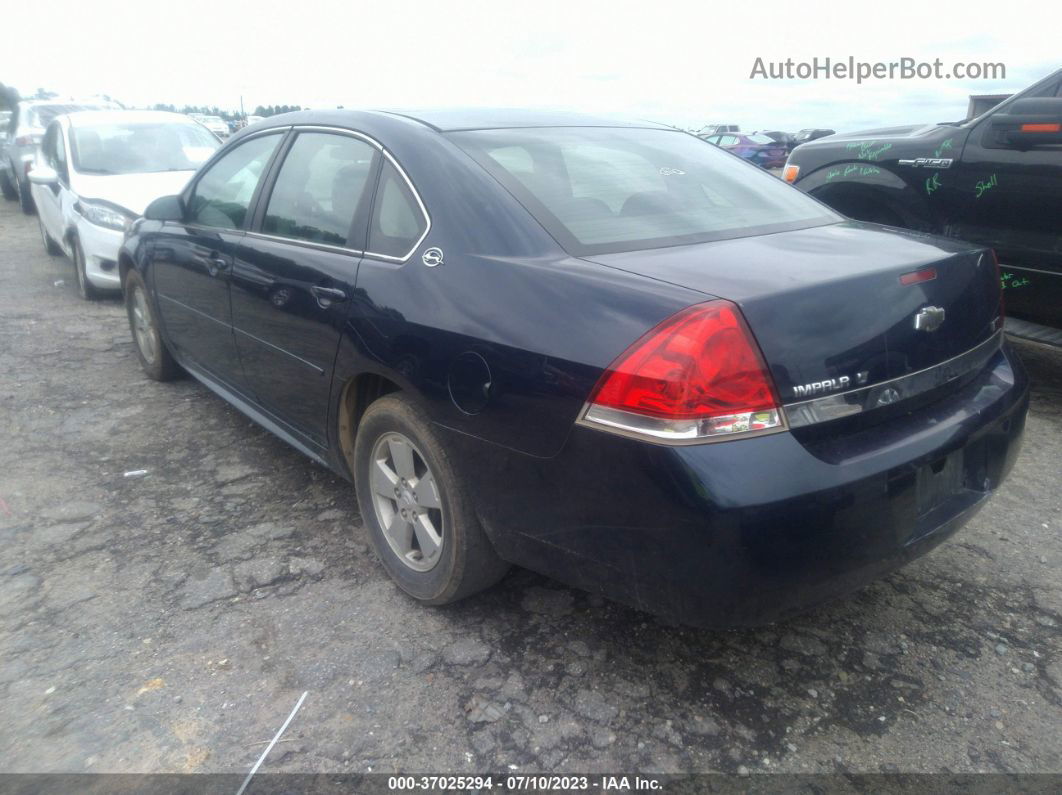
(606, 189)
(319, 188)
(397, 221)
(223, 194)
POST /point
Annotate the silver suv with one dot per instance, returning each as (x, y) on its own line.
(22, 136)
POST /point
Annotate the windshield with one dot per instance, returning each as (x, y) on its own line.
(760, 139)
(213, 119)
(601, 189)
(127, 148)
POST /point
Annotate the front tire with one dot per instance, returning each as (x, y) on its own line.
(49, 245)
(419, 514)
(85, 288)
(155, 357)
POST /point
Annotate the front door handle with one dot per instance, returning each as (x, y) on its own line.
(216, 262)
(326, 296)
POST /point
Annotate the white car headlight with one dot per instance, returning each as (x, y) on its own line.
(105, 216)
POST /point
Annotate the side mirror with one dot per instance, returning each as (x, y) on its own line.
(1029, 122)
(165, 208)
(42, 174)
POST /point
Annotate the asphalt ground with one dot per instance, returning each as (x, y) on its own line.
(169, 622)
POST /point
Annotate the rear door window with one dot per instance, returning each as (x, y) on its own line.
(319, 188)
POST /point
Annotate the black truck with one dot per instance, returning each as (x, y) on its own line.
(995, 179)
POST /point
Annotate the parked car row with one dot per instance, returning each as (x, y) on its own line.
(21, 138)
(761, 150)
(95, 173)
(215, 124)
(767, 149)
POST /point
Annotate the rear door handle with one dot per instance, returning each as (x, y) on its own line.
(326, 296)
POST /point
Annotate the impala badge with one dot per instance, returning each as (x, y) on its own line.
(432, 257)
(822, 387)
(929, 318)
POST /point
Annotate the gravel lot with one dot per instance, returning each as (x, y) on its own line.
(169, 622)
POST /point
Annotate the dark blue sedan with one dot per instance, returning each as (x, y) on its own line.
(610, 353)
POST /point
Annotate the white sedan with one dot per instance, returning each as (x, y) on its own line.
(95, 173)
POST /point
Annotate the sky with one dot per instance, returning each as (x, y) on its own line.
(680, 63)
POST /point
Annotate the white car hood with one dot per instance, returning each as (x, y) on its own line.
(134, 192)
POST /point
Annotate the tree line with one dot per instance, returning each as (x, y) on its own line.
(227, 115)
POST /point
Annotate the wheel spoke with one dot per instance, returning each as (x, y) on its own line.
(402, 458)
(383, 480)
(428, 539)
(400, 532)
(427, 492)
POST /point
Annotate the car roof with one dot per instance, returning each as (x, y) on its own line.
(452, 119)
(398, 125)
(88, 118)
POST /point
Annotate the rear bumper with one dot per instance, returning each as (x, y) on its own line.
(747, 532)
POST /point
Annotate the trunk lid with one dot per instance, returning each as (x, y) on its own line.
(827, 305)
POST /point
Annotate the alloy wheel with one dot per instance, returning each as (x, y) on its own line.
(406, 500)
(143, 325)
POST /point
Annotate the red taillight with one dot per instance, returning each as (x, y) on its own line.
(917, 277)
(698, 374)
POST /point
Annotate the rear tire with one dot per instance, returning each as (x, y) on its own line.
(155, 357)
(25, 198)
(85, 288)
(456, 559)
(49, 245)
(10, 191)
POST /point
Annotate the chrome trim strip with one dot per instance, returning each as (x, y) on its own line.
(304, 243)
(856, 401)
(625, 424)
(342, 130)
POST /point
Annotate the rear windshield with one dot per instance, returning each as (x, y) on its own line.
(603, 189)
